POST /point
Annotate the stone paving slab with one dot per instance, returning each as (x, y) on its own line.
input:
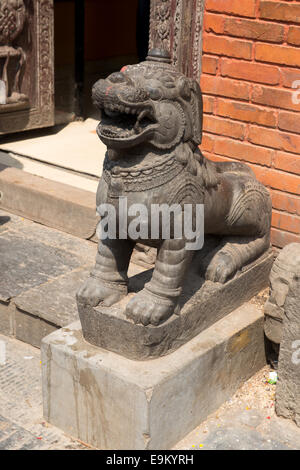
(27, 263)
(22, 426)
(41, 270)
(54, 301)
(14, 437)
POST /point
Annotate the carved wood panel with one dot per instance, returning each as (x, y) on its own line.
(176, 26)
(26, 65)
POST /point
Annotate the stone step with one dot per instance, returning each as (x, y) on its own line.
(57, 205)
(41, 271)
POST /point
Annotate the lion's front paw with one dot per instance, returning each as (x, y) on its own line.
(94, 291)
(146, 309)
(221, 268)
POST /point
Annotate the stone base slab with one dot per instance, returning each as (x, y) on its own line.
(202, 304)
(111, 402)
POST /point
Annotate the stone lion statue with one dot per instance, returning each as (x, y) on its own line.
(152, 127)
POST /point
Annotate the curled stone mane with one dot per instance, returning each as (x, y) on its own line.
(198, 166)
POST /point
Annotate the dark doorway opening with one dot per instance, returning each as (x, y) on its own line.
(94, 38)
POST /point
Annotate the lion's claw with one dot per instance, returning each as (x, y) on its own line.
(221, 268)
(145, 309)
(94, 291)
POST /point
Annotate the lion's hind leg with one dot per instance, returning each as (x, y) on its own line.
(248, 231)
(234, 253)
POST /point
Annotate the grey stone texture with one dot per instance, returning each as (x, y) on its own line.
(282, 274)
(112, 402)
(202, 303)
(41, 269)
(244, 415)
(288, 387)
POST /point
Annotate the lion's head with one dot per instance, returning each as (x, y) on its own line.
(150, 102)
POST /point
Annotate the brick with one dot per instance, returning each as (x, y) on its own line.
(278, 54)
(289, 76)
(234, 7)
(286, 202)
(281, 11)
(208, 104)
(224, 127)
(214, 23)
(251, 72)
(289, 122)
(252, 29)
(207, 143)
(288, 222)
(243, 151)
(225, 87)
(227, 47)
(260, 172)
(209, 64)
(246, 112)
(294, 36)
(217, 158)
(286, 182)
(287, 162)
(275, 97)
(274, 139)
(281, 239)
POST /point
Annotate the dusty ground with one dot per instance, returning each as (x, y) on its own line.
(247, 421)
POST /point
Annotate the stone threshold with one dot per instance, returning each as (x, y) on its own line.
(57, 205)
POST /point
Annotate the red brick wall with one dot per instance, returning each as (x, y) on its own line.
(251, 57)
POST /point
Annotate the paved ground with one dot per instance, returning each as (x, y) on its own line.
(247, 421)
(40, 268)
(21, 416)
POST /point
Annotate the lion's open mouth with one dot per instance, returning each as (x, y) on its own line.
(120, 122)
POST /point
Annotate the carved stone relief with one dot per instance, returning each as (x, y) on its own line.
(176, 26)
(12, 21)
(26, 65)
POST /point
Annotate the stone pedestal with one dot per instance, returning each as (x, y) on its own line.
(202, 303)
(112, 402)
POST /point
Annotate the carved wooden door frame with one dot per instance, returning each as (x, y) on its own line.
(40, 110)
(176, 25)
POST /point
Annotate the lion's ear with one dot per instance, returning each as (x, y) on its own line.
(184, 88)
(197, 112)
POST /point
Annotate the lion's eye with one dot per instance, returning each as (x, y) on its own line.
(155, 93)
